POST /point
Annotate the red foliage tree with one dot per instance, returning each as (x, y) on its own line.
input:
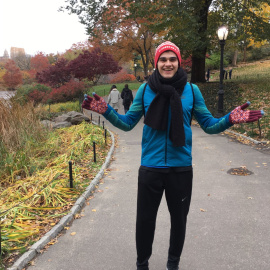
(39, 62)
(187, 64)
(64, 93)
(13, 76)
(37, 96)
(122, 76)
(55, 75)
(92, 65)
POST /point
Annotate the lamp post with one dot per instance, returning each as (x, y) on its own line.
(222, 36)
(135, 67)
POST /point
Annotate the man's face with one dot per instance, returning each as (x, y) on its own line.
(167, 64)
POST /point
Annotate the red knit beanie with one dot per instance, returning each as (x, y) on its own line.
(167, 46)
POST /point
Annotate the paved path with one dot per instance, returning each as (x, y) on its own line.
(228, 224)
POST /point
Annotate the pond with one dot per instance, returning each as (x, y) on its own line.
(7, 94)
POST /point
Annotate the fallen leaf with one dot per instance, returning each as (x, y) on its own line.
(202, 210)
(73, 233)
(94, 210)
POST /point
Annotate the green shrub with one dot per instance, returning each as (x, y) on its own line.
(213, 62)
(23, 92)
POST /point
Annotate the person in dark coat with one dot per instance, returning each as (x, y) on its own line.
(127, 97)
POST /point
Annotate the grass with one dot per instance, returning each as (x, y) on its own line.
(253, 80)
(104, 90)
(34, 169)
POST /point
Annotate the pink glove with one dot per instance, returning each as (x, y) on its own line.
(96, 104)
(238, 115)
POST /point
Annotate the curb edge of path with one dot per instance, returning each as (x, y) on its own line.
(246, 137)
(35, 249)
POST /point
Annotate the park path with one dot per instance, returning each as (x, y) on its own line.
(228, 223)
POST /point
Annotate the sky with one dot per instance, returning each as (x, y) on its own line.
(38, 26)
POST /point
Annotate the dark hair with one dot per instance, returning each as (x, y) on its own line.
(126, 85)
(113, 86)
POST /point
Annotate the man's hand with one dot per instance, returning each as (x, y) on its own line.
(96, 104)
(238, 115)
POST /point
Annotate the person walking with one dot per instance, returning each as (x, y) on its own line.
(127, 97)
(114, 98)
(168, 102)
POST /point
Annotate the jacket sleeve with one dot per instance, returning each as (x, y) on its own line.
(131, 118)
(208, 123)
(109, 98)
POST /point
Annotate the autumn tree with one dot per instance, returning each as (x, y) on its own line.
(114, 30)
(52, 58)
(13, 76)
(248, 23)
(76, 49)
(2, 73)
(39, 62)
(22, 60)
(92, 65)
(55, 75)
(183, 22)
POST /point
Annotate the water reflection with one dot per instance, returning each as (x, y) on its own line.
(7, 94)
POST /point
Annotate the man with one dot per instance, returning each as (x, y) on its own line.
(168, 102)
(127, 97)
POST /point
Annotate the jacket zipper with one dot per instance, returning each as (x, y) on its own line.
(166, 147)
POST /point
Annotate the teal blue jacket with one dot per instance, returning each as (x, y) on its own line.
(157, 149)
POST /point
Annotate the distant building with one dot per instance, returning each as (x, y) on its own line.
(14, 52)
(5, 56)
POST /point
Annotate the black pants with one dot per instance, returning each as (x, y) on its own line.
(178, 188)
(126, 107)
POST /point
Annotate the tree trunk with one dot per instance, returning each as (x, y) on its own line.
(198, 69)
(234, 60)
(245, 54)
(198, 55)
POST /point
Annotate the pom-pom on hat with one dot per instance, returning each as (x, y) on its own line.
(167, 46)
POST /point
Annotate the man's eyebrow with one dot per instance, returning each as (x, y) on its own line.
(173, 57)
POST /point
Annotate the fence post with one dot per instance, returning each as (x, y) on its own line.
(103, 124)
(94, 150)
(99, 120)
(70, 174)
(260, 130)
(105, 134)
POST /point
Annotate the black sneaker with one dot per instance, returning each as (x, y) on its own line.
(173, 268)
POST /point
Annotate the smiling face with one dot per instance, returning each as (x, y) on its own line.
(167, 64)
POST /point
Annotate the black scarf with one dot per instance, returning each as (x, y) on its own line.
(168, 92)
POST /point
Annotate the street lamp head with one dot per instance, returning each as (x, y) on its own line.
(222, 33)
